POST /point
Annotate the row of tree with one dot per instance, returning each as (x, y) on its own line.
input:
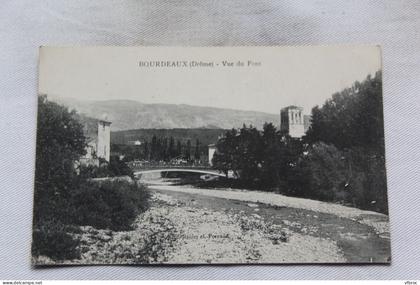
(264, 159)
(341, 158)
(162, 149)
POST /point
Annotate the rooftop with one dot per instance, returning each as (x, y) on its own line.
(90, 125)
(292, 107)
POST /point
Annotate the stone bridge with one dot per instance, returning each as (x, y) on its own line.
(181, 169)
(153, 168)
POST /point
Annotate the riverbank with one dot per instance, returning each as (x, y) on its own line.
(178, 231)
(375, 220)
(186, 225)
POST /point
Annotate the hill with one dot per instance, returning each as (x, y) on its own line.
(129, 115)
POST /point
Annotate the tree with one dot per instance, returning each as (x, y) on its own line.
(117, 167)
(197, 150)
(352, 121)
(188, 150)
(178, 151)
(172, 151)
(272, 158)
(60, 143)
(280, 161)
(240, 151)
(327, 174)
(137, 152)
(352, 117)
(159, 149)
(154, 148)
(226, 157)
(146, 150)
(250, 154)
(165, 150)
(64, 196)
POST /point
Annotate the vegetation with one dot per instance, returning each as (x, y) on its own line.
(163, 149)
(165, 144)
(205, 135)
(340, 159)
(110, 205)
(115, 167)
(352, 121)
(63, 194)
(351, 118)
(260, 159)
(54, 239)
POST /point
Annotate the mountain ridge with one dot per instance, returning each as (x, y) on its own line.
(128, 114)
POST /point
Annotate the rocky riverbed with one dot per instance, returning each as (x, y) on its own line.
(195, 228)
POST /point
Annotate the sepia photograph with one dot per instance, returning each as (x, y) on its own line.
(210, 155)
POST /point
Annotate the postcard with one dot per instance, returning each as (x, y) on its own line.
(210, 155)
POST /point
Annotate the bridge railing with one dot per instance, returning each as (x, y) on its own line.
(139, 165)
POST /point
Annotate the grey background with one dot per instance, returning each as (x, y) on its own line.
(25, 25)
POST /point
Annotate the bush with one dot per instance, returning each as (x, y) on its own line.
(115, 167)
(119, 168)
(64, 197)
(355, 177)
(53, 240)
(109, 204)
(367, 181)
(327, 173)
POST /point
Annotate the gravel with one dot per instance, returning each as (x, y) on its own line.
(172, 233)
(375, 220)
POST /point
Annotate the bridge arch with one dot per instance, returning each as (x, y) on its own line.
(202, 171)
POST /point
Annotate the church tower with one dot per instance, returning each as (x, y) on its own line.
(292, 121)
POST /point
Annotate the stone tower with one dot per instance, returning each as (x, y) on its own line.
(104, 139)
(212, 150)
(292, 121)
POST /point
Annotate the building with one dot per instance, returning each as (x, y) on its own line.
(136, 142)
(212, 150)
(292, 121)
(103, 141)
(98, 138)
(306, 122)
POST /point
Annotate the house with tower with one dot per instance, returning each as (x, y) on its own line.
(98, 137)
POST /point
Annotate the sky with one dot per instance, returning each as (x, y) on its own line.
(268, 78)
